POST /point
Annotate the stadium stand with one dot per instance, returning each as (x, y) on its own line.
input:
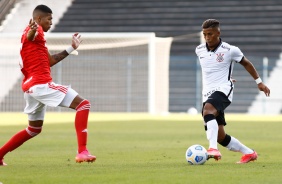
(5, 6)
(252, 25)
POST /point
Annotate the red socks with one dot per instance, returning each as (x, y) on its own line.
(81, 120)
(18, 139)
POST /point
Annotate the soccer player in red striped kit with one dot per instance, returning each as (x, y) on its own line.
(40, 91)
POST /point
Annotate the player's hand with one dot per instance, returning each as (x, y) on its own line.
(33, 25)
(76, 40)
(264, 88)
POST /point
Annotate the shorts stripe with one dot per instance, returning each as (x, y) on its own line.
(63, 89)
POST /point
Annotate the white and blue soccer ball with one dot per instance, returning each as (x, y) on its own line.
(196, 155)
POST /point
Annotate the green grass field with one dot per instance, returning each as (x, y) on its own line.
(140, 148)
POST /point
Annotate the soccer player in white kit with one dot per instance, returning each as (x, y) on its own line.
(217, 59)
(39, 89)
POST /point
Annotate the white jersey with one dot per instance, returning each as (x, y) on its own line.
(217, 67)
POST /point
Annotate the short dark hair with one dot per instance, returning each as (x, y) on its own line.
(210, 23)
(42, 8)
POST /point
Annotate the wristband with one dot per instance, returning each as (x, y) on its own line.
(70, 49)
(258, 80)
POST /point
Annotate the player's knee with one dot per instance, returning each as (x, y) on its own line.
(84, 105)
(209, 117)
(33, 131)
(87, 102)
(209, 109)
(224, 141)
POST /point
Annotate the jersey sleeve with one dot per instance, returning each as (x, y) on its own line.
(236, 54)
(199, 49)
(196, 52)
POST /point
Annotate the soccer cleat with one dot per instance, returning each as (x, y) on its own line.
(85, 156)
(214, 153)
(248, 157)
(2, 163)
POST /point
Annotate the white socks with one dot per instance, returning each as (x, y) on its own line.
(237, 146)
(212, 132)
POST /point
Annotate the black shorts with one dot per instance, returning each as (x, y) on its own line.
(220, 101)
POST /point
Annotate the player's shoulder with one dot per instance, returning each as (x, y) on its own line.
(201, 47)
(228, 47)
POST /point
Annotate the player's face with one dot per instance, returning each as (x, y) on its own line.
(46, 22)
(211, 36)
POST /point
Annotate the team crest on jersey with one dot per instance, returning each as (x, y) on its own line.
(220, 57)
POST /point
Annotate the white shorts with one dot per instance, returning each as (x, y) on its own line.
(42, 95)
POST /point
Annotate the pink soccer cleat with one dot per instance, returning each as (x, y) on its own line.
(2, 163)
(248, 157)
(214, 153)
(85, 156)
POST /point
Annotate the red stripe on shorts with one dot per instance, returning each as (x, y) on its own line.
(63, 89)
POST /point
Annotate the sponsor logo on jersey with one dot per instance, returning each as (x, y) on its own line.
(211, 92)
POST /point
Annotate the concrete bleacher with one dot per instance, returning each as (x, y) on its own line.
(252, 25)
(5, 7)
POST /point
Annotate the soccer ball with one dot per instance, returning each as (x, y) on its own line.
(196, 155)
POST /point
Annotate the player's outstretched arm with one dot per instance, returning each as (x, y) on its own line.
(32, 31)
(56, 58)
(253, 72)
